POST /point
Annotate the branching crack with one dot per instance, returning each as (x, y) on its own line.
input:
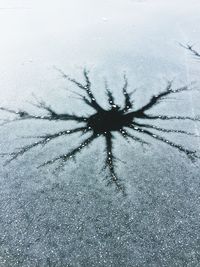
(104, 122)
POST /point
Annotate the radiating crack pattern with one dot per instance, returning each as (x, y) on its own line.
(104, 122)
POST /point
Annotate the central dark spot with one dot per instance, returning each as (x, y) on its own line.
(108, 120)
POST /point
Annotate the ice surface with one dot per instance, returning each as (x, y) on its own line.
(72, 218)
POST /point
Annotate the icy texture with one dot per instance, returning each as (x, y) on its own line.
(73, 218)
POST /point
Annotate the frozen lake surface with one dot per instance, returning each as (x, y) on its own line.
(72, 218)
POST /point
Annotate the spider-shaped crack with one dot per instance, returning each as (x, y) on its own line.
(104, 122)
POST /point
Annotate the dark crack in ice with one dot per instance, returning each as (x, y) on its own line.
(125, 120)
